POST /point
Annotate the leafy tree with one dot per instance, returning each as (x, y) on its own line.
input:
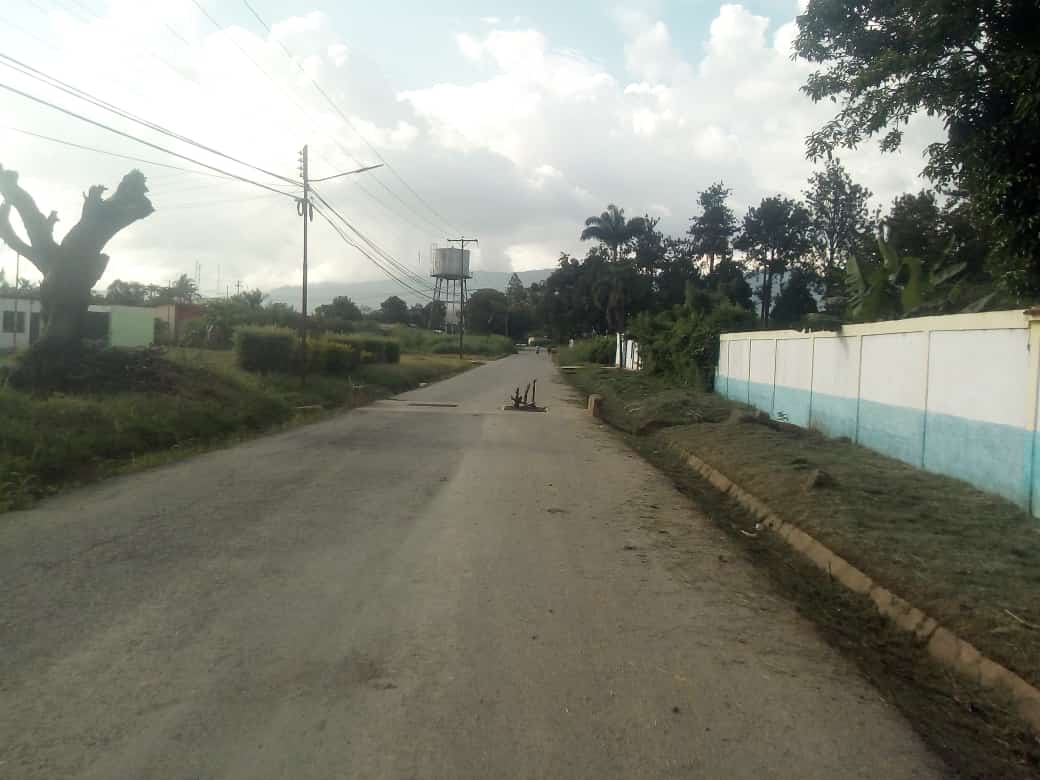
(515, 292)
(612, 230)
(728, 281)
(676, 272)
(486, 311)
(914, 227)
(253, 299)
(417, 315)
(341, 308)
(683, 342)
(393, 309)
(519, 321)
(976, 65)
(435, 313)
(71, 268)
(775, 236)
(121, 293)
(714, 229)
(184, 290)
(649, 246)
(796, 300)
(840, 218)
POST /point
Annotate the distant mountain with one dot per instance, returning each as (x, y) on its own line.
(374, 293)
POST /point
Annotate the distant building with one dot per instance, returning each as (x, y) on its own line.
(177, 315)
(21, 324)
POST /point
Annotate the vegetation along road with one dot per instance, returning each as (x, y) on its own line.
(415, 590)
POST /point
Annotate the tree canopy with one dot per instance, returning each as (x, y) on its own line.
(775, 236)
(714, 229)
(393, 309)
(975, 65)
(612, 230)
(341, 308)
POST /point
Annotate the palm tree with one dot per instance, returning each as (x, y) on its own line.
(611, 228)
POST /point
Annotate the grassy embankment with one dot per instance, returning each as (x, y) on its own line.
(970, 559)
(183, 402)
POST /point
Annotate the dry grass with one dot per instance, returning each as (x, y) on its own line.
(968, 558)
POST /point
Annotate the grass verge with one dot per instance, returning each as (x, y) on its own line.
(962, 555)
(206, 401)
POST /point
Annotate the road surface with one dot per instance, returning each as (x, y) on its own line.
(409, 591)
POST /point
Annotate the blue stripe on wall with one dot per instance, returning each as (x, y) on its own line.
(1001, 459)
(791, 405)
(834, 415)
(994, 457)
(894, 430)
(737, 390)
(761, 396)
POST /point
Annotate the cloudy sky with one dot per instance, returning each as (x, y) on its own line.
(511, 122)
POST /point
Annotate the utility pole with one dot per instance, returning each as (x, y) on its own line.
(462, 273)
(238, 287)
(17, 284)
(305, 210)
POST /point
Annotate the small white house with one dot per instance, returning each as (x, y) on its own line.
(21, 324)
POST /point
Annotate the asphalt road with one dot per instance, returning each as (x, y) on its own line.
(416, 592)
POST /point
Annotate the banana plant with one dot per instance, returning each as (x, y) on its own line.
(897, 285)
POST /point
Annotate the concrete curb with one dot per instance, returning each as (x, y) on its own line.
(942, 644)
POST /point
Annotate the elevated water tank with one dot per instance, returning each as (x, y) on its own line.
(451, 263)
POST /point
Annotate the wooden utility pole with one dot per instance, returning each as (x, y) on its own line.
(462, 280)
(305, 210)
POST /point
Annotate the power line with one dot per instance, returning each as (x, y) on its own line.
(373, 260)
(315, 124)
(115, 154)
(351, 125)
(56, 83)
(375, 247)
(103, 126)
(219, 202)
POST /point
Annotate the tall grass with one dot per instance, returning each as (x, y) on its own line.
(599, 350)
(428, 342)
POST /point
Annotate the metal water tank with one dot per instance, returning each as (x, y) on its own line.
(451, 263)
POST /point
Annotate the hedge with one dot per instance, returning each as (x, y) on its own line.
(328, 356)
(373, 349)
(273, 349)
(265, 349)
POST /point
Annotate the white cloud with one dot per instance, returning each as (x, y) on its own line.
(519, 154)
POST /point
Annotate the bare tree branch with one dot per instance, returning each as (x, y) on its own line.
(103, 217)
(11, 238)
(39, 228)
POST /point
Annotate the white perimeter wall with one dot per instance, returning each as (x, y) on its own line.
(955, 394)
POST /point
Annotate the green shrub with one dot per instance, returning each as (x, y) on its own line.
(265, 349)
(600, 350)
(332, 357)
(373, 349)
(684, 343)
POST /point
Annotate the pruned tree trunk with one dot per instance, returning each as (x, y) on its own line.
(72, 268)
